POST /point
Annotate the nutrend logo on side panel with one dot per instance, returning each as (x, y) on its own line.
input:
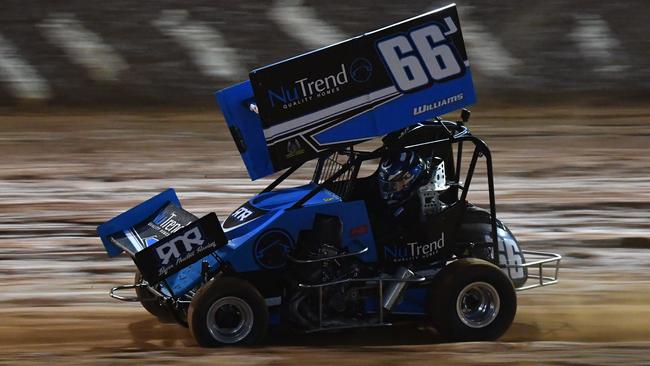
(306, 89)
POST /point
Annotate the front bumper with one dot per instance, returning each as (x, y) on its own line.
(543, 269)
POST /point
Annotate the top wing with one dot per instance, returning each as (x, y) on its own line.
(349, 92)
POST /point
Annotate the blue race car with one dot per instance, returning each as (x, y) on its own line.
(343, 250)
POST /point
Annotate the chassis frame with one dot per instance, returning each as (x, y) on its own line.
(545, 265)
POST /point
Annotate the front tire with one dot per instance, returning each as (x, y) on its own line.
(472, 300)
(228, 311)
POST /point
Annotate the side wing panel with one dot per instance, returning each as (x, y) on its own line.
(246, 129)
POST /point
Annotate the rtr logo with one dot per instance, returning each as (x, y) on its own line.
(241, 214)
(184, 243)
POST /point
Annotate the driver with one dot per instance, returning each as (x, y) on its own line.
(399, 177)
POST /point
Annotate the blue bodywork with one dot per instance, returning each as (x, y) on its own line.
(281, 216)
(242, 252)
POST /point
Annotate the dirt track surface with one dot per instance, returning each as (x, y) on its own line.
(569, 182)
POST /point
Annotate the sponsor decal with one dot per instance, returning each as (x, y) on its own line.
(271, 249)
(183, 249)
(185, 242)
(245, 213)
(437, 104)
(359, 230)
(305, 90)
(168, 223)
(176, 252)
(294, 148)
(414, 251)
(241, 214)
(361, 70)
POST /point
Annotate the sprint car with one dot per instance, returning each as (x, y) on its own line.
(333, 253)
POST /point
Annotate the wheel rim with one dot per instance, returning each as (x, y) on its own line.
(478, 304)
(230, 319)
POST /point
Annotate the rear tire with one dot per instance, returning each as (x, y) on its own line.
(472, 300)
(150, 302)
(228, 311)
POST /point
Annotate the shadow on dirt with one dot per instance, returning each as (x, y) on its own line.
(397, 335)
(152, 334)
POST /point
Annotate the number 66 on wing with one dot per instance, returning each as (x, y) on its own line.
(421, 57)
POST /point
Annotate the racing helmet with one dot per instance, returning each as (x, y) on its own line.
(399, 174)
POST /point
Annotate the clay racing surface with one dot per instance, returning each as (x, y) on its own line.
(570, 181)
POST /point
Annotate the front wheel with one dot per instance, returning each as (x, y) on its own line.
(472, 300)
(228, 311)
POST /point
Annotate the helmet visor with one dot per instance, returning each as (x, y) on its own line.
(397, 185)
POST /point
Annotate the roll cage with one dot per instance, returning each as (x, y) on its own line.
(337, 168)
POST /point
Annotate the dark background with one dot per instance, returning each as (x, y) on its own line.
(541, 38)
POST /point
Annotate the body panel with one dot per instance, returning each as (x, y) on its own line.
(246, 253)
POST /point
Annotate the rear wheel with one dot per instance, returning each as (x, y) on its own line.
(228, 311)
(150, 302)
(472, 300)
